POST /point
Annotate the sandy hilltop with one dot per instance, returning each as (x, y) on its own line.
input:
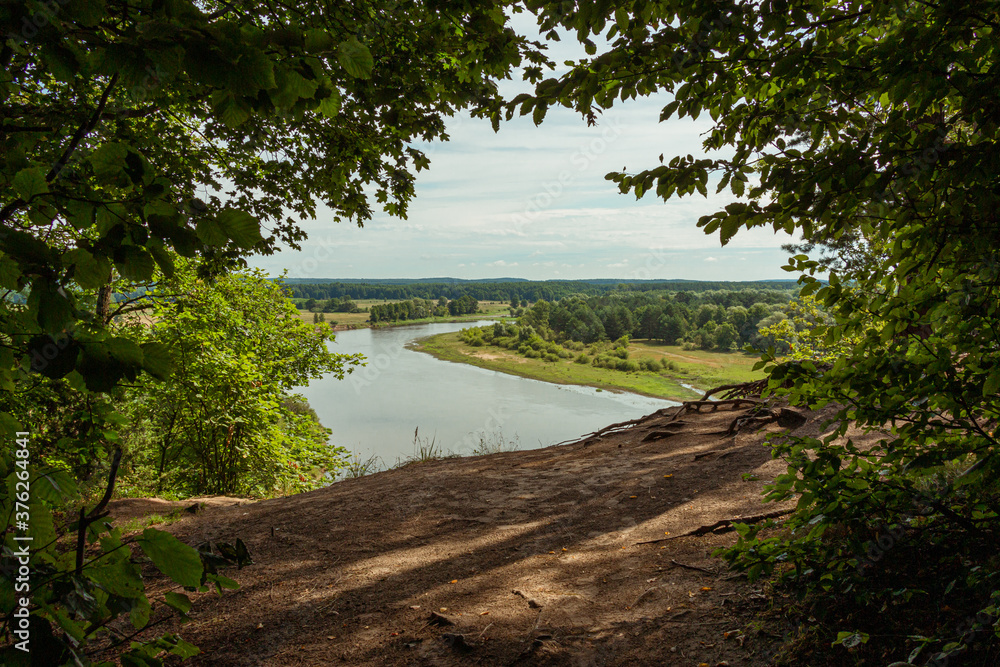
(596, 552)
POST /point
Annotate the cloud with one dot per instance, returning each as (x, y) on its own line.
(711, 259)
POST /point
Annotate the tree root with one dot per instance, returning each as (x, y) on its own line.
(757, 418)
(724, 523)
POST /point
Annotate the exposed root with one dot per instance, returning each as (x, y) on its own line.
(723, 524)
(742, 390)
(757, 418)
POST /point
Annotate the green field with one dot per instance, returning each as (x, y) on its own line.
(360, 320)
(703, 370)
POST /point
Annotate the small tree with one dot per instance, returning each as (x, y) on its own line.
(221, 421)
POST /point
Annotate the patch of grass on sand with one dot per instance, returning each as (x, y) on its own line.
(702, 370)
(143, 522)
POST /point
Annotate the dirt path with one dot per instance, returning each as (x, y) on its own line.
(525, 558)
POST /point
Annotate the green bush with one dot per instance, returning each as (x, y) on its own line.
(551, 357)
(652, 365)
(532, 354)
(628, 365)
(583, 359)
(620, 352)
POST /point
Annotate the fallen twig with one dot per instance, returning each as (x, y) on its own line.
(691, 567)
(724, 523)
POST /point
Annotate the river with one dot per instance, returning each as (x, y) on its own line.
(375, 410)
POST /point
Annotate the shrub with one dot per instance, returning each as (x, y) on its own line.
(532, 354)
(604, 361)
(551, 357)
(583, 359)
(620, 352)
(627, 365)
(652, 365)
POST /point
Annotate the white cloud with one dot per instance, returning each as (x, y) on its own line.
(537, 197)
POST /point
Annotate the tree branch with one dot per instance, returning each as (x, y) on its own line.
(87, 518)
(83, 131)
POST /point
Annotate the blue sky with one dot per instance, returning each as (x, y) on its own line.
(532, 202)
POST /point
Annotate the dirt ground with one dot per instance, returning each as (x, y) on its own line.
(524, 558)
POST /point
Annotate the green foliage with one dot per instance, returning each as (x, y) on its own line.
(865, 128)
(135, 134)
(802, 332)
(224, 421)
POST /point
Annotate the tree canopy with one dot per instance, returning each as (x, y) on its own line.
(134, 134)
(870, 128)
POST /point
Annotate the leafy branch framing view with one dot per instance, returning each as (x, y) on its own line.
(150, 147)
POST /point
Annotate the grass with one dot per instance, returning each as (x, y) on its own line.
(360, 467)
(495, 443)
(426, 450)
(703, 370)
(360, 320)
(143, 522)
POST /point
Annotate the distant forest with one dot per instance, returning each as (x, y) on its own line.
(505, 290)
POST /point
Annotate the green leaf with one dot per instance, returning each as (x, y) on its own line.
(174, 558)
(51, 305)
(164, 260)
(233, 112)
(992, 383)
(178, 601)
(330, 106)
(622, 18)
(355, 58)
(122, 578)
(89, 272)
(221, 582)
(738, 187)
(241, 227)
(30, 183)
(125, 351)
(157, 360)
(728, 229)
(210, 231)
(108, 161)
(10, 273)
(318, 40)
(53, 356)
(184, 649)
(134, 263)
(139, 615)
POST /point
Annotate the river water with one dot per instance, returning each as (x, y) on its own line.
(375, 410)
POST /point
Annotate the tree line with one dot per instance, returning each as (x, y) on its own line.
(415, 309)
(528, 290)
(716, 320)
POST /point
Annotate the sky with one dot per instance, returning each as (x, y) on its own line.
(532, 202)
